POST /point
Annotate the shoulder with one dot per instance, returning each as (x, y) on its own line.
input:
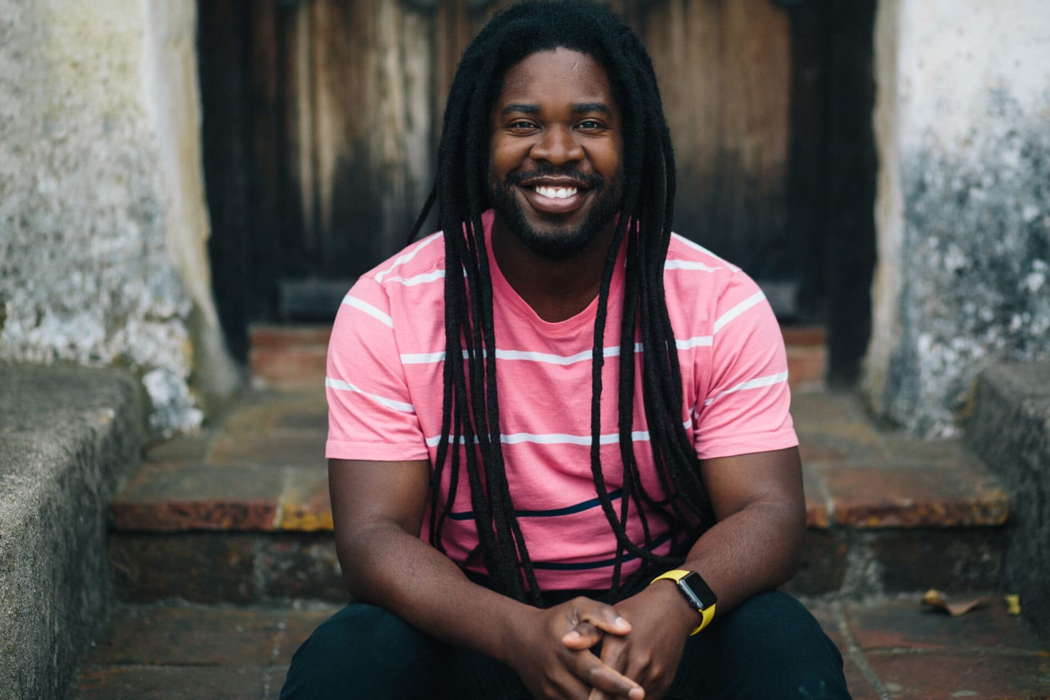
(423, 257)
(393, 292)
(701, 285)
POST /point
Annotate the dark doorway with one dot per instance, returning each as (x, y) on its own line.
(321, 118)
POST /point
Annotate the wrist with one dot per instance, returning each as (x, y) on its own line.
(514, 623)
(678, 615)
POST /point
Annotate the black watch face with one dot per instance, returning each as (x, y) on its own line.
(701, 592)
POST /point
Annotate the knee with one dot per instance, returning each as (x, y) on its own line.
(780, 650)
(360, 647)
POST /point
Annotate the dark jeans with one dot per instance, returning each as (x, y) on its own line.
(767, 648)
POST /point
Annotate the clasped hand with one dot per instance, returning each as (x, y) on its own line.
(641, 643)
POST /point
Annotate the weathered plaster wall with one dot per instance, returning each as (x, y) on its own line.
(102, 219)
(963, 206)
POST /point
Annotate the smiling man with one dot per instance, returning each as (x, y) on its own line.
(561, 459)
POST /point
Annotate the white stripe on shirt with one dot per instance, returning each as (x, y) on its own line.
(372, 311)
(340, 385)
(402, 259)
(770, 380)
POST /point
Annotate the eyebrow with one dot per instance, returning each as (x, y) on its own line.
(578, 108)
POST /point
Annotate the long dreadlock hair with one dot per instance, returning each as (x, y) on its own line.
(470, 409)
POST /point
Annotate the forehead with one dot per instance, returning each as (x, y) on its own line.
(557, 75)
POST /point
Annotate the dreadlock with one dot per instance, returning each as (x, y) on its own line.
(470, 419)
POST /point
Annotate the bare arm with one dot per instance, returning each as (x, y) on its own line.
(378, 509)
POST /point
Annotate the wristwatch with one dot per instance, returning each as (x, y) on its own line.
(697, 593)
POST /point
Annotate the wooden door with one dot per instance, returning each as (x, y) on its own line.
(321, 120)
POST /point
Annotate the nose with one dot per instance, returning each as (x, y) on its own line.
(557, 145)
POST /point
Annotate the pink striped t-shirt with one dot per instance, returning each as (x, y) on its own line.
(384, 390)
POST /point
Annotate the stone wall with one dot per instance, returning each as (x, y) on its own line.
(963, 204)
(102, 219)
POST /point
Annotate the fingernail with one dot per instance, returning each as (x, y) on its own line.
(571, 636)
(621, 622)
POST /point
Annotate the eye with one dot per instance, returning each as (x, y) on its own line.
(590, 125)
(521, 125)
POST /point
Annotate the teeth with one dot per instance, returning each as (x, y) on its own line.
(555, 192)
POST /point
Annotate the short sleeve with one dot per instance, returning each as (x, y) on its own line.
(370, 412)
(746, 406)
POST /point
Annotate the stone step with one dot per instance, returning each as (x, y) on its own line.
(240, 513)
(892, 647)
(293, 357)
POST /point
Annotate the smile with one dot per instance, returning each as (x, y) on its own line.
(555, 192)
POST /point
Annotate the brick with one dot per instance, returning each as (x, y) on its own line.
(907, 624)
(181, 636)
(806, 367)
(915, 676)
(824, 564)
(303, 567)
(173, 683)
(289, 367)
(804, 336)
(280, 336)
(199, 567)
(877, 496)
(167, 497)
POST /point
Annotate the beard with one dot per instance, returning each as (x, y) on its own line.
(559, 242)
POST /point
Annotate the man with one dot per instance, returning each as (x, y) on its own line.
(561, 461)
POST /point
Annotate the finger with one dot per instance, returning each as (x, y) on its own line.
(604, 617)
(592, 671)
(613, 655)
(583, 635)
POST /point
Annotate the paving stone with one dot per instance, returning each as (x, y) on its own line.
(923, 676)
(877, 496)
(199, 567)
(166, 497)
(301, 567)
(173, 683)
(305, 505)
(907, 624)
(269, 450)
(180, 636)
(949, 559)
(835, 420)
(185, 448)
(265, 413)
(859, 686)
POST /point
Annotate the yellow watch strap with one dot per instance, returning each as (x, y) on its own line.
(706, 614)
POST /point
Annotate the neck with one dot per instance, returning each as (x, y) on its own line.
(555, 289)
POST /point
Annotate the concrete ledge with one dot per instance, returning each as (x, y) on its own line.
(67, 436)
(1010, 429)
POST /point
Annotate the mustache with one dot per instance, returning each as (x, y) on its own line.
(591, 181)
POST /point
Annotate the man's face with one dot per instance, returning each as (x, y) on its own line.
(555, 152)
